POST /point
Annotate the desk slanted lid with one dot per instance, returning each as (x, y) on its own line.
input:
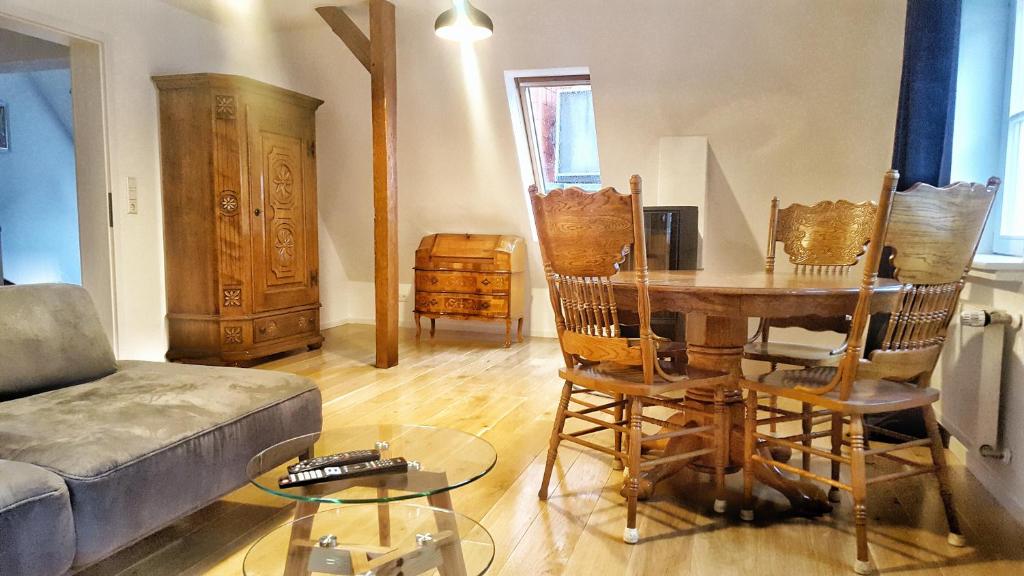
(485, 252)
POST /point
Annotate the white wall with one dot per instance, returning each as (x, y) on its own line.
(38, 204)
(978, 154)
(796, 98)
(141, 39)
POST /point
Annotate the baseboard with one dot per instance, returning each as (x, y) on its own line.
(978, 467)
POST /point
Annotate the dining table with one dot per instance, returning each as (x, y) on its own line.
(719, 305)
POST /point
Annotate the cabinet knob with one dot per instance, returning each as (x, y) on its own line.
(433, 279)
(485, 282)
(257, 211)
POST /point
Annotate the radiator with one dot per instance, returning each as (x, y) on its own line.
(970, 376)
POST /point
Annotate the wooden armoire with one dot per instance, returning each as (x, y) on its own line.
(238, 163)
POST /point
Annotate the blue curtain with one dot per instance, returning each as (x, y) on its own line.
(924, 120)
(922, 151)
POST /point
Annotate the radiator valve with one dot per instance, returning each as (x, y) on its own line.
(982, 318)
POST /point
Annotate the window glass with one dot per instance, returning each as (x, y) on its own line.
(561, 130)
(1012, 221)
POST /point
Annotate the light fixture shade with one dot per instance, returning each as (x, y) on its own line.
(463, 23)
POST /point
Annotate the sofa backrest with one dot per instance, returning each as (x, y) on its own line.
(50, 337)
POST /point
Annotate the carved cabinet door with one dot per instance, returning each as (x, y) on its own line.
(282, 183)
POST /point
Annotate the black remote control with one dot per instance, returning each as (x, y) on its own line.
(333, 473)
(339, 459)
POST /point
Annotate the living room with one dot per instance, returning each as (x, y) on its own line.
(290, 189)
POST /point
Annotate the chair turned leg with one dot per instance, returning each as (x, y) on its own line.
(955, 537)
(619, 463)
(721, 449)
(806, 426)
(556, 431)
(632, 535)
(858, 473)
(749, 427)
(773, 401)
(837, 449)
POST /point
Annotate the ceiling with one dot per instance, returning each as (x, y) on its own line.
(275, 13)
(23, 53)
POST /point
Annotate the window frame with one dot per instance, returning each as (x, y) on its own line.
(522, 84)
(1003, 243)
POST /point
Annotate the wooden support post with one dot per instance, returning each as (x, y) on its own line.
(377, 53)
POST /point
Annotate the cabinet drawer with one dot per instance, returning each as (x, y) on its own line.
(466, 304)
(465, 282)
(285, 325)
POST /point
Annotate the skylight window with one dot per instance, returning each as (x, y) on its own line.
(561, 134)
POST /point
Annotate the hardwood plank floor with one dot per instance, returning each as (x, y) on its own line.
(468, 381)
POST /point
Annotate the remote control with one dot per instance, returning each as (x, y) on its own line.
(333, 473)
(339, 459)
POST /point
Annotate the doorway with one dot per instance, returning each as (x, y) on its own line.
(54, 215)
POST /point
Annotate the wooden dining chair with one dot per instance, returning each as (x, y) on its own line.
(933, 233)
(609, 379)
(826, 238)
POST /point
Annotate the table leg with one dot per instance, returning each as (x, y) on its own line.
(298, 549)
(716, 343)
(297, 563)
(383, 519)
(451, 552)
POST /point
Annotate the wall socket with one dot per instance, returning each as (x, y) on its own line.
(133, 195)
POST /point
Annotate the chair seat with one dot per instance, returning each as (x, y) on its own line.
(794, 354)
(621, 379)
(867, 396)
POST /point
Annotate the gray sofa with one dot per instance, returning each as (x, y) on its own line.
(96, 454)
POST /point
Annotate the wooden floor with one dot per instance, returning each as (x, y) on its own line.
(508, 396)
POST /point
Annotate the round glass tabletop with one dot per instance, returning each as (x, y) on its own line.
(380, 539)
(445, 459)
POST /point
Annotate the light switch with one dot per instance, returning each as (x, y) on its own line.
(133, 195)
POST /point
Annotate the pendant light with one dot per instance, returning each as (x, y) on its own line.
(463, 23)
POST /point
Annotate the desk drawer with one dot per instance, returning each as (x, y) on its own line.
(463, 304)
(463, 282)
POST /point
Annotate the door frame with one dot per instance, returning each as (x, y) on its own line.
(92, 162)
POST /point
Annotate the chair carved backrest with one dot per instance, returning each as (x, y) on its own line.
(933, 234)
(584, 237)
(826, 237)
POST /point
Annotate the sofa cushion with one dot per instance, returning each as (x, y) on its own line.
(50, 336)
(154, 441)
(37, 534)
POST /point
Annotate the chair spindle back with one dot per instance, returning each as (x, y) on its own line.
(933, 233)
(584, 237)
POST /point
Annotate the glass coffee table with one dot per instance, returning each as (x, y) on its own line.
(421, 540)
(444, 459)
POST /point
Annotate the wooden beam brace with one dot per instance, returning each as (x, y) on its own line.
(384, 101)
(349, 33)
(378, 54)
